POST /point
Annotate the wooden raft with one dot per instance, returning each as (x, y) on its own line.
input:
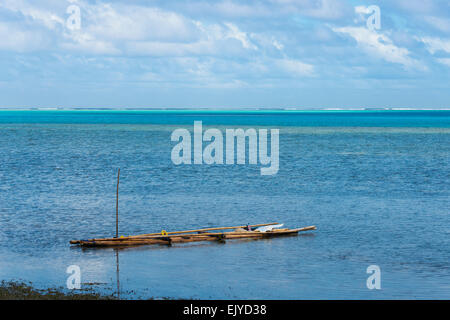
(169, 238)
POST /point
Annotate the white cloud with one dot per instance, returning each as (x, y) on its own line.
(115, 29)
(442, 24)
(445, 61)
(118, 28)
(277, 45)
(235, 33)
(227, 8)
(321, 9)
(158, 48)
(212, 39)
(435, 44)
(327, 9)
(129, 22)
(45, 17)
(86, 43)
(232, 9)
(295, 67)
(15, 38)
(380, 45)
(417, 6)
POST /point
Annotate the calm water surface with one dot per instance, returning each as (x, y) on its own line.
(376, 185)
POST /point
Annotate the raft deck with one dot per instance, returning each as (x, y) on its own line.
(169, 238)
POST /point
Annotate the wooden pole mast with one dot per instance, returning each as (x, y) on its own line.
(117, 205)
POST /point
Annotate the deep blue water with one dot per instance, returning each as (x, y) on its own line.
(376, 185)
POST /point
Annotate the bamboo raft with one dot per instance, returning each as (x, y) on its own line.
(205, 234)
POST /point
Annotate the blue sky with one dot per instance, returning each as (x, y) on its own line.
(198, 53)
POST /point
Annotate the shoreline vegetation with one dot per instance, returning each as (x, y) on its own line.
(19, 290)
(26, 290)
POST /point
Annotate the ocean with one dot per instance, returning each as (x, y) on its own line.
(375, 183)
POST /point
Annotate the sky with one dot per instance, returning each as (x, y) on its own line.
(225, 54)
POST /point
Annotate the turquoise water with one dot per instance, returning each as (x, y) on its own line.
(379, 118)
(375, 183)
